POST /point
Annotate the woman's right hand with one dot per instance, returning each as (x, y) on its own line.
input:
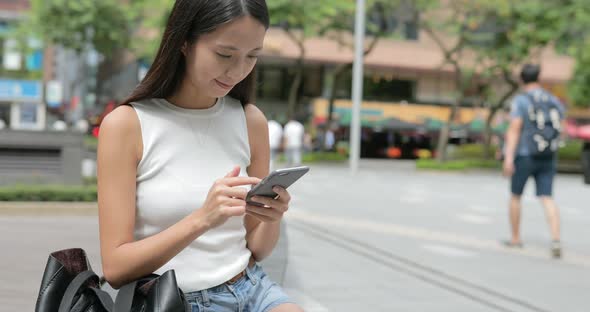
(226, 198)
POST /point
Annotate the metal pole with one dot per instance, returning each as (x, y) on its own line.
(357, 86)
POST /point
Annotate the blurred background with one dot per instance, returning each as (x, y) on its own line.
(439, 77)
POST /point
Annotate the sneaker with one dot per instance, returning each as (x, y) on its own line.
(511, 244)
(556, 249)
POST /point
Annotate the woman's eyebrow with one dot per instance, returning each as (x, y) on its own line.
(230, 47)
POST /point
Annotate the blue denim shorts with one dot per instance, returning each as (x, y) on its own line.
(542, 169)
(254, 292)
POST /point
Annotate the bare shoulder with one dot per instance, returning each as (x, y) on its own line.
(122, 118)
(121, 127)
(254, 116)
(258, 137)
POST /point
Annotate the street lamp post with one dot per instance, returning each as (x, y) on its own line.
(357, 86)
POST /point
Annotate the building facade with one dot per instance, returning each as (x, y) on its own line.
(21, 86)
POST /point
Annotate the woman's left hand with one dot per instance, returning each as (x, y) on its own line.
(273, 209)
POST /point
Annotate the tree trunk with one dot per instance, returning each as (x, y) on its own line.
(299, 68)
(451, 56)
(332, 98)
(488, 131)
(443, 138)
(341, 69)
(294, 90)
(494, 109)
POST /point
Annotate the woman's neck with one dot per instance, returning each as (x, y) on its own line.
(189, 97)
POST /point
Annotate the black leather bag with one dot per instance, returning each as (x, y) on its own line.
(152, 293)
(69, 284)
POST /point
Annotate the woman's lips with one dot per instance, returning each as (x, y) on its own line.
(224, 85)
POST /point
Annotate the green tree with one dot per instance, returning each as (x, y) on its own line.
(81, 26)
(576, 41)
(104, 24)
(150, 17)
(455, 19)
(303, 19)
(579, 86)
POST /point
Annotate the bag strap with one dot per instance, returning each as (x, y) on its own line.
(536, 104)
(105, 298)
(533, 101)
(74, 287)
(125, 298)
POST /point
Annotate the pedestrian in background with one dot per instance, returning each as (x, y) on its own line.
(275, 137)
(294, 133)
(329, 139)
(532, 140)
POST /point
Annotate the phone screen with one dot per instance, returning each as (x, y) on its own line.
(281, 177)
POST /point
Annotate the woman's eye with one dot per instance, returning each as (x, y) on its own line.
(253, 56)
(224, 56)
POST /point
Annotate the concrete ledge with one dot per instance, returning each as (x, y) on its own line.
(43, 156)
(48, 208)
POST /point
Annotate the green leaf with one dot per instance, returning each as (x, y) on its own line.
(73, 24)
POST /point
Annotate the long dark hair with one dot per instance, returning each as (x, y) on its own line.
(189, 20)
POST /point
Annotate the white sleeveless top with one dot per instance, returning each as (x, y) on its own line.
(184, 152)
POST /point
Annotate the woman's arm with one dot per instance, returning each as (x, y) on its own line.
(261, 237)
(124, 259)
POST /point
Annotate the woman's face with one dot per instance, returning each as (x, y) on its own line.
(224, 57)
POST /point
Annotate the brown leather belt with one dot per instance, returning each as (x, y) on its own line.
(236, 278)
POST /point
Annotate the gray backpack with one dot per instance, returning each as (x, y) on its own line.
(544, 115)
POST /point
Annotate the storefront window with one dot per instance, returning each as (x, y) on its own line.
(383, 89)
(379, 88)
(28, 115)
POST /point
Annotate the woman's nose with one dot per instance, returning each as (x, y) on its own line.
(235, 71)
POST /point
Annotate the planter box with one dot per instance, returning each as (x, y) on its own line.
(41, 157)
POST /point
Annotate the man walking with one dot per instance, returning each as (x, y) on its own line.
(531, 145)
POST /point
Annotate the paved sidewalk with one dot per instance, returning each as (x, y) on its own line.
(48, 209)
(389, 239)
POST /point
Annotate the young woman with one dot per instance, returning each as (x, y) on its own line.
(176, 159)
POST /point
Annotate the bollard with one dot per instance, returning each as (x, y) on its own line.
(586, 162)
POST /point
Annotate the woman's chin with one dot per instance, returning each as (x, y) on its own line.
(218, 91)
(220, 94)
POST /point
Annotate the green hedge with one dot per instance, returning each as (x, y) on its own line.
(471, 156)
(48, 193)
(90, 142)
(318, 157)
(571, 151)
(472, 151)
(323, 156)
(457, 165)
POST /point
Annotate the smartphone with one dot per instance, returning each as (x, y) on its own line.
(280, 177)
